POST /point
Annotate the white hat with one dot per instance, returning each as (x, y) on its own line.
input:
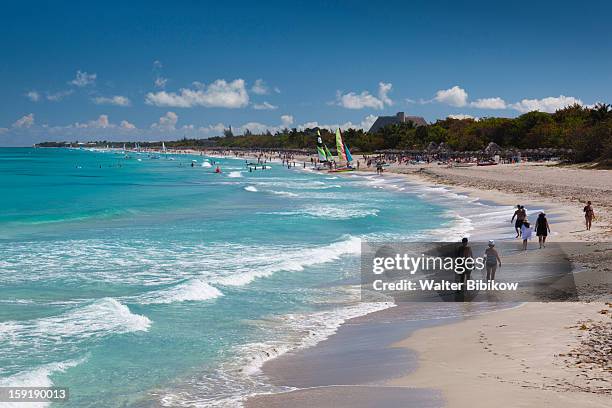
(491, 242)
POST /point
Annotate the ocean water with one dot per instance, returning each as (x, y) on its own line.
(148, 282)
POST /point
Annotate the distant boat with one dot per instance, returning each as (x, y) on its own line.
(487, 163)
(344, 154)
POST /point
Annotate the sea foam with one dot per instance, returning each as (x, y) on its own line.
(191, 290)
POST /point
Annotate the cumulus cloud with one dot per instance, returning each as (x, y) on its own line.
(454, 96)
(101, 123)
(365, 99)
(550, 104)
(166, 122)
(24, 122)
(365, 124)
(489, 103)
(33, 96)
(219, 94)
(116, 100)
(264, 106)
(260, 87)
(461, 116)
(127, 125)
(83, 79)
(287, 120)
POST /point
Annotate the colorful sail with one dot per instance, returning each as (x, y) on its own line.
(349, 157)
(340, 146)
(320, 151)
(328, 154)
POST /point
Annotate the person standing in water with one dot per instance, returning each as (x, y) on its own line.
(542, 229)
(526, 233)
(492, 259)
(589, 214)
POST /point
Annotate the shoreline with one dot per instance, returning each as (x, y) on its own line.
(462, 341)
(444, 383)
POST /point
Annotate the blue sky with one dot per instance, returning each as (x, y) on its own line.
(162, 70)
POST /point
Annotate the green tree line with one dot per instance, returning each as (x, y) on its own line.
(586, 131)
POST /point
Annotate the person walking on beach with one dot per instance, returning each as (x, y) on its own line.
(492, 259)
(526, 233)
(465, 252)
(542, 229)
(520, 214)
(589, 214)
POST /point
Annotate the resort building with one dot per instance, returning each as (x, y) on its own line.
(399, 117)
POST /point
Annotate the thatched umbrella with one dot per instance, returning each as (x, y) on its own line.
(492, 148)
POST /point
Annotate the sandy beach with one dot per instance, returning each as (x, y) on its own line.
(538, 354)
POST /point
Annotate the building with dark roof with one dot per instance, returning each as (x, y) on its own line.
(399, 117)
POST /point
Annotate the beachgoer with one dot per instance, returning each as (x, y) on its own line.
(542, 229)
(589, 214)
(520, 215)
(492, 259)
(464, 251)
(526, 232)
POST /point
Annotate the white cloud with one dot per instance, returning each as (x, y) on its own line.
(166, 122)
(489, 103)
(461, 116)
(365, 99)
(454, 96)
(260, 87)
(277, 89)
(58, 96)
(3, 130)
(160, 82)
(287, 120)
(365, 124)
(264, 106)
(157, 64)
(219, 94)
(127, 125)
(24, 122)
(101, 123)
(116, 100)
(33, 96)
(83, 79)
(550, 104)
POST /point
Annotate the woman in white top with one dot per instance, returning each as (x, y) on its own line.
(526, 232)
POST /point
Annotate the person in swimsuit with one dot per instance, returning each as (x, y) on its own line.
(542, 229)
(589, 214)
(492, 259)
(520, 214)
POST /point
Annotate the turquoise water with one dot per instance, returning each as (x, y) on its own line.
(138, 280)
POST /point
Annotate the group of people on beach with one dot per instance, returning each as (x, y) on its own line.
(525, 231)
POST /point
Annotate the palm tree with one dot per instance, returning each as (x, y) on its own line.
(600, 112)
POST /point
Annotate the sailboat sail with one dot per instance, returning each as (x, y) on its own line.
(320, 151)
(349, 157)
(163, 147)
(328, 154)
(340, 146)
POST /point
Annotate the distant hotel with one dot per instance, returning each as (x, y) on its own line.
(400, 117)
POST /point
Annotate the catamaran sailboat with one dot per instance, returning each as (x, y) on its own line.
(344, 154)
